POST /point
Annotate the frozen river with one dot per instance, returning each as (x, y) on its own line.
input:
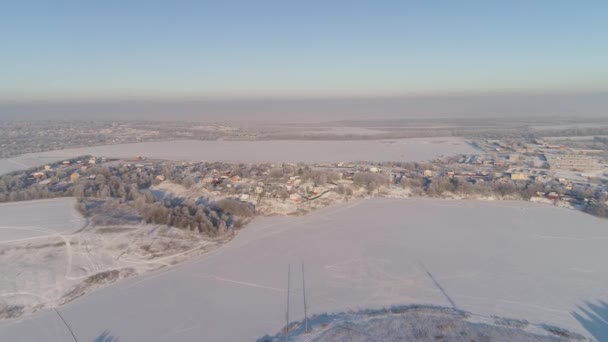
(418, 149)
(512, 259)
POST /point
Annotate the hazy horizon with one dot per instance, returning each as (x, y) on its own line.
(506, 106)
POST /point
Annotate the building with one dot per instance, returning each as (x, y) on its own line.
(577, 162)
(38, 175)
(74, 176)
(427, 173)
(518, 176)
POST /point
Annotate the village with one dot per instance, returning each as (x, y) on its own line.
(537, 171)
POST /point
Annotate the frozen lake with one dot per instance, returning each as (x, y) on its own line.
(25, 220)
(512, 259)
(259, 151)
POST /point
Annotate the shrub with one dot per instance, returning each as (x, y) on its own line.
(235, 207)
(371, 181)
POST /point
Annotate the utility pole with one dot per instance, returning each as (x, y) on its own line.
(287, 313)
(305, 305)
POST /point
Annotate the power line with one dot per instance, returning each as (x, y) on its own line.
(66, 324)
(305, 305)
(287, 313)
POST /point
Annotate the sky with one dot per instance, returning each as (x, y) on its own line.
(73, 50)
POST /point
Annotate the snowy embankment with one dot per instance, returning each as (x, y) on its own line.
(510, 259)
(415, 149)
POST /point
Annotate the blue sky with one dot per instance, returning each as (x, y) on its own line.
(106, 49)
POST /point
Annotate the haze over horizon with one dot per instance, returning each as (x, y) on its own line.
(308, 110)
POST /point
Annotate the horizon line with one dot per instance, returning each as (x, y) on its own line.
(279, 98)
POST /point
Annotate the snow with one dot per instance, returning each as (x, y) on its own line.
(50, 255)
(35, 219)
(343, 130)
(259, 151)
(511, 259)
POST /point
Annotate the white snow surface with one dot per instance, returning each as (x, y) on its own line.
(21, 221)
(416, 149)
(511, 259)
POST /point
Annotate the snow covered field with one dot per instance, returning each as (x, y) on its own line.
(49, 255)
(512, 259)
(34, 219)
(259, 151)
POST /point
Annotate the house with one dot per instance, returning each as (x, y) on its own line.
(427, 173)
(244, 198)
(47, 167)
(519, 176)
(295, 197)
(259, 189)
(160, 178)
(38, 175)
(74, 176)
(92, 161)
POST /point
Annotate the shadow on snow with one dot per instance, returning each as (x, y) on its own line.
(594, 318)
(106, 337)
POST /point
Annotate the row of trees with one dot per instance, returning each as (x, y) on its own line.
(203, 216)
